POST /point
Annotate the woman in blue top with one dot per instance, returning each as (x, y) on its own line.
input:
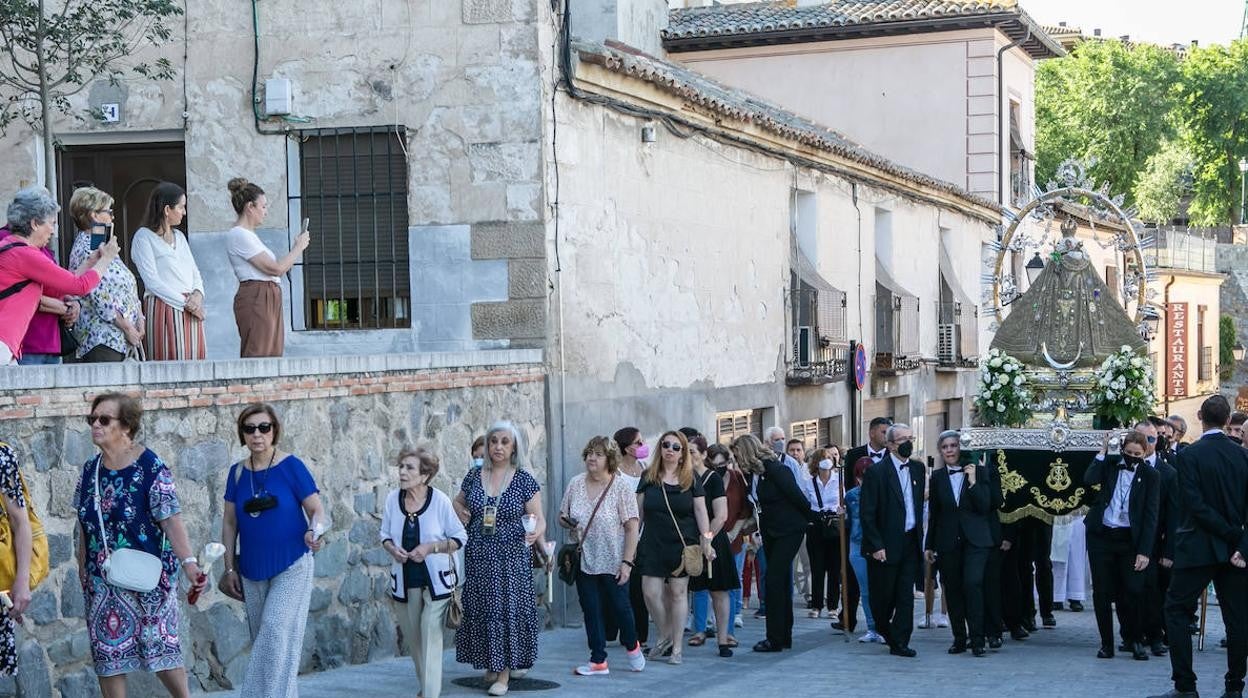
(853, 508)
(273, 512)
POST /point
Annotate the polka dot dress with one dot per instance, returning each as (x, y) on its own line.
(500, 625)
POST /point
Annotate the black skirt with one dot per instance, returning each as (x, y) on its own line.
(723, 571)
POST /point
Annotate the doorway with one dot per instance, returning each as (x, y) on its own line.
(128, 172)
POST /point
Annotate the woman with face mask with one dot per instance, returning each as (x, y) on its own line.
(1122, 527)
(821, 485)
(420, 531)
(633, 453)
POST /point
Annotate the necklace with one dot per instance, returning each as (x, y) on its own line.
(263, 482)
(414, 514)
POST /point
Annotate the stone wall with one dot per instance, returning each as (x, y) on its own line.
(347, 425)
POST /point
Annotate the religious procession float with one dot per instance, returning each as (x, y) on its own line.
(1068, 363)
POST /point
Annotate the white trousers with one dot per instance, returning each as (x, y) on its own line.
(277, 614)
(421, 622)
(1070, 575)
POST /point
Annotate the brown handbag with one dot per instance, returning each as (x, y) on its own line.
(691, 560)
(569, 557)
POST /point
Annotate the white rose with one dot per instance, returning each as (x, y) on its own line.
(1136, 362)
(1000, 406)
(1125, 349)
(1018, 380)
(1003, 379)
(995, 362)
(989, 403)
(1109, 395)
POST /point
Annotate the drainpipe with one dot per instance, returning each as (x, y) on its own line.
(1001, 111)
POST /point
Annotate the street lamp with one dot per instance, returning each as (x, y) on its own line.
(1151, 321)
(1243, 171)
(1237, 351)
(1035, 265)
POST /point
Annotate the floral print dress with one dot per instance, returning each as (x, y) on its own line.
(129, 630)
(117, 294)
(11, 485)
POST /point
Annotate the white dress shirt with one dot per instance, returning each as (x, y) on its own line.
(955, 478)
(907, 492)
(1118, 513)
(830, 492)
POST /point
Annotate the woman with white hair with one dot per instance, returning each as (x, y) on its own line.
(500, 626)
(26, 275)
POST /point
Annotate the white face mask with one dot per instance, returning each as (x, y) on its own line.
(826, 464)
(478, 462)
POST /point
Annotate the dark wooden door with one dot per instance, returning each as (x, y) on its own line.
(128, 172)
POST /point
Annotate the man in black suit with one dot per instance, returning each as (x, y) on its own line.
(892, 534)
(1179, 425)
(1122, 532)
(1157, 575)
(959, 538)
(1210, 545)
(875, 447)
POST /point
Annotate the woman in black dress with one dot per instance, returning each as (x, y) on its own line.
(720, 576)
(673, 511)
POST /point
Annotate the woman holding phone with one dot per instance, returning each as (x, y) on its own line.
(110, 325)
(173, 298)
(258, 303)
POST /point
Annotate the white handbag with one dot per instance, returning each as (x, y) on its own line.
(126, 568)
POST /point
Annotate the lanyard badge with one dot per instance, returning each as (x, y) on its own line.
(489, 517)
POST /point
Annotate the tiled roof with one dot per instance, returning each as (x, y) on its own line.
(698, 89)
(738, 23)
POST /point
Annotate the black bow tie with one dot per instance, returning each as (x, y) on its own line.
(877, 454)
(1126, 466)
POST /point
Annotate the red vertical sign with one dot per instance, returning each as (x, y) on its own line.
(1176, 350)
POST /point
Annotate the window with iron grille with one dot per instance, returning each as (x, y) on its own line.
(354, 192)
(730, 425)
(807, 432)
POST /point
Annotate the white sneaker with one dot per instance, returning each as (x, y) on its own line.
(636, 659)
(814, 613)
(942, 621)
(738, 623)
(592, 669)
(872, 637)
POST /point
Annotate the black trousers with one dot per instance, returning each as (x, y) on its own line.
(853, 594)
(890, 588)
(1186, 585)
(1035, 537)
(1116, 583)
(962, 578)
(778, 589)
(825, 569)
(993, 621)
(1156, 582)
(641, 615)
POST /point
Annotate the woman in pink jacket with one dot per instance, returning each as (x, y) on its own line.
(26, 275)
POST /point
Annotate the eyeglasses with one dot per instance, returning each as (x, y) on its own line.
(262, 427)
(109, 211)
(103, 419)
(671, 446)
(1151, 439)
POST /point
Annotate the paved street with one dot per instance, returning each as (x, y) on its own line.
(1056, 663)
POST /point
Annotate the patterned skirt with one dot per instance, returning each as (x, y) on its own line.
(172, 334)
(132, 631)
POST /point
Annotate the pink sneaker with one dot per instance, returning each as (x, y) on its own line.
(592, 669)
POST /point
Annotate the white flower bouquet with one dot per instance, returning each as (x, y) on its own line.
(1124, 390)
(1004, 396)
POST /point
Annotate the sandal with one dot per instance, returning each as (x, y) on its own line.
(732, 642)
(697, 640)
(725, 650)
(662, 649)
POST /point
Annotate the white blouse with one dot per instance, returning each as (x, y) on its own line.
(169, 272)
(831, 492)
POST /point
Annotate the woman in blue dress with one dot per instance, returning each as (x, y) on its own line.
(499, 630)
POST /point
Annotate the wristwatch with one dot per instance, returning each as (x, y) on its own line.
(189, 560)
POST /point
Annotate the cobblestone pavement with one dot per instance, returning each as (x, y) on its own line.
(1052, 663)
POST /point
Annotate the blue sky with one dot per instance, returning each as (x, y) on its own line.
(1158, 21)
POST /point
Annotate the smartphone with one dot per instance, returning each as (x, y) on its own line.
(306, 223)
(100, 232)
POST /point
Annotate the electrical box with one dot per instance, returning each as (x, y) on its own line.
(279, 98)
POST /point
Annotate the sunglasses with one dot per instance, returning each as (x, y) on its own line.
(671, 446)
(1151, 439)
(262, 427)
(103, 419)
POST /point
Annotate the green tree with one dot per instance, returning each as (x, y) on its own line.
(1166, 178)
(1213, 114)
(1226, 346)
(1106, 101)
(54, 49)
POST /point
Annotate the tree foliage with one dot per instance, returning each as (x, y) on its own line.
(1165, 179)
(1212, 111)
(1226, 346)
(1107, 102)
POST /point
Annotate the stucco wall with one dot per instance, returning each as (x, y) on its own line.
(347, 426)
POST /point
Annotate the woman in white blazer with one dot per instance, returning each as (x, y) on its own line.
(420, 530)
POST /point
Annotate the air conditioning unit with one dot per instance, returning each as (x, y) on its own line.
(806, 343)
(947, 343)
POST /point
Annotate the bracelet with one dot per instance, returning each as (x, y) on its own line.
(627, 562)
(189, 560)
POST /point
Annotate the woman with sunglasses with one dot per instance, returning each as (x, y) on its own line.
(273, 512)
(126, 499)
(420, 530)
(673, 511)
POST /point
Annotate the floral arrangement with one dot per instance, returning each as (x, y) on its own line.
(1124, 387)
(1004, 397)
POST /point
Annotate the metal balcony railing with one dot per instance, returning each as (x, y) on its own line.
(818, 353)
(1204, 370)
